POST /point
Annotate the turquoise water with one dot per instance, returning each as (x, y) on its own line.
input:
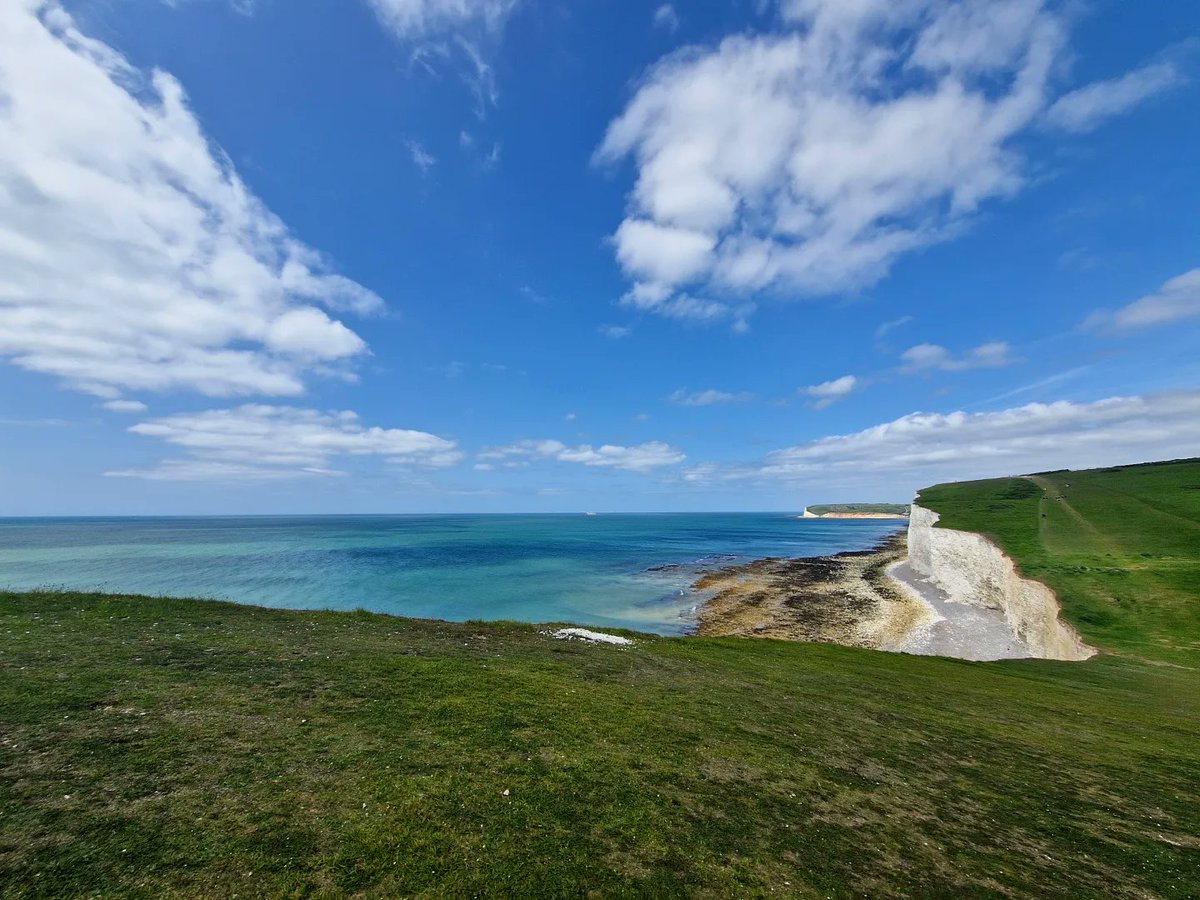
(631, 571)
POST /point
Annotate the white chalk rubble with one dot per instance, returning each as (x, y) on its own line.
(593, 637)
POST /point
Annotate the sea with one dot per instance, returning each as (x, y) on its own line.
(606, 570)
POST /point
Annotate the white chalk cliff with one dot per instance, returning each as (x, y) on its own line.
(969, 568)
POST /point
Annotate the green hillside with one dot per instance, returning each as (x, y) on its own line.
(156, 747)
(1120, 547)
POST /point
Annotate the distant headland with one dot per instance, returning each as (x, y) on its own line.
(856, 511)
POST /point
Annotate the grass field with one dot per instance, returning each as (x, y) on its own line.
(156, 747)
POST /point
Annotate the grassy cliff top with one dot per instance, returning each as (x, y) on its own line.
(1120, 547)
(895, 509)
(156, 747)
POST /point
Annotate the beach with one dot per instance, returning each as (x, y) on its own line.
(846, 598)
(870, 599)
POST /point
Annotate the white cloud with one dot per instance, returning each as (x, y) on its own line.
(256, 441)
(666, 18)
(709, 398)
(1090, 106)
(829, 392)
(661, 254)
(1178, 299)
(421, 158)
(808, 161)
(927, 357)
(131, 254)
(641, 458)
(924, 448)
(125, 406)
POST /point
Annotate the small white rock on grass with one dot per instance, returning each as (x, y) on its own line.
(592, 637)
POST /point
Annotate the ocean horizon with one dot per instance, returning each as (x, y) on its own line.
(616, 570)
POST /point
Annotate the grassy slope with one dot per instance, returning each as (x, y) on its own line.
(162, 746)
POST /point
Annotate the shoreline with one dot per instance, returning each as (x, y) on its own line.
(848, 598)
(870, 599)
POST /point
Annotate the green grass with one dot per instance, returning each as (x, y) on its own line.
(895, 509)
(1121, 548)
(153, 747)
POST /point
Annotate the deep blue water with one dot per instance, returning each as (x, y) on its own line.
(601, 570)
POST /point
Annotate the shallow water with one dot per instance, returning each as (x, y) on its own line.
(631, 571)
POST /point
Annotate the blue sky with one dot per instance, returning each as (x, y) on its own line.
(521, 255)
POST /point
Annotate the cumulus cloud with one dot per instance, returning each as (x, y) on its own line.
(132, 257)
(709, 398)
(256, 441)
(807, 161)
(931, 357)
(922, 448)
(1092, 105)
(641, 458)
(829, 392)
(1178, 299)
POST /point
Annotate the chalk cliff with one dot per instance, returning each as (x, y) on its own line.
(969, 568)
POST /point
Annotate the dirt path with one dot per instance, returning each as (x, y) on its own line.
(1054, 494)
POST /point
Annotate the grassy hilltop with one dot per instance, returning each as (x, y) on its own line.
(154, 747)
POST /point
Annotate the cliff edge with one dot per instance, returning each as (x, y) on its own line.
(970, 569)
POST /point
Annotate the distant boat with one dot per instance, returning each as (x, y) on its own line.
(589, 514)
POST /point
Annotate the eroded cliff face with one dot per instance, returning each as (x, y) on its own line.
(969, 568)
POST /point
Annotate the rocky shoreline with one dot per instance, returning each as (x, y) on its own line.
(844, 599)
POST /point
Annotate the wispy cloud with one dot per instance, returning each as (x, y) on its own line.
(886, 328)
(923, 448)
(1042, 383)
(125, 406)
(416, 19)
(462, 33)
(666, 18)
(709, 397)
(135, 258)
(932, 357)
(829, 392)
(421, 158)
(1175, 301)
(259, 442)
(685, 308)
(641, 458)
(1092, 105)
